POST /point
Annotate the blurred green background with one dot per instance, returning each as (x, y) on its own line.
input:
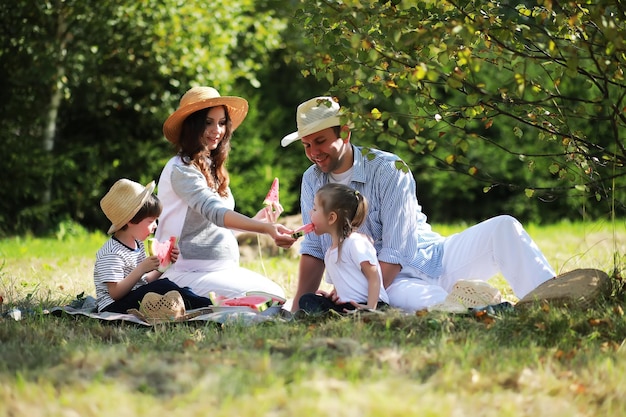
(87, 85)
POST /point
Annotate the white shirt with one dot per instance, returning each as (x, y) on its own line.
(346, 275)
(194, 213)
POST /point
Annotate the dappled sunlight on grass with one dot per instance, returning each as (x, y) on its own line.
(301, 369)
(520, 363)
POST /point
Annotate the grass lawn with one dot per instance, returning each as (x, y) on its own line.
(522, 363)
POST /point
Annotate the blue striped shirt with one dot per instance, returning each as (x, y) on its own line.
(395, 220)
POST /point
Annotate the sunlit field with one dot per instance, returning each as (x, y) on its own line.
(568, 362)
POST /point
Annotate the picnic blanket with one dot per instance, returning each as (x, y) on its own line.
(578, 288)
(87, 307)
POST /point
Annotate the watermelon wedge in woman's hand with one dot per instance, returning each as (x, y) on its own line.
(303, 230)
(272, 209)
(161, 249)
(271, 199)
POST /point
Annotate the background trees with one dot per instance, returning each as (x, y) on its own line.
(496, 107)
(527, 99)
(89, 84)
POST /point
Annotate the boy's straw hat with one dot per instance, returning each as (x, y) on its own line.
(198, 98)
(170, 307)
(123, 201)
(312, 116)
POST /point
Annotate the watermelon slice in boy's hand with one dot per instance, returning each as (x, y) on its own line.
(271, 199)
(303, 230)
(161, 249)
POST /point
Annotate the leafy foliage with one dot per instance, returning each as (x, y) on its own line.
(524, 104)
(477, 84)
(89, 87)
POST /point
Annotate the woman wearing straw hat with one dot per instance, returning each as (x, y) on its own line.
(198, 204)
(123, 274)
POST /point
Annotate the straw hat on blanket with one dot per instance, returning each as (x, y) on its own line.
(467, 294)
(576, 288)
(155, 308)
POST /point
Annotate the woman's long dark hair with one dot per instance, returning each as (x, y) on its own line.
(212, 164)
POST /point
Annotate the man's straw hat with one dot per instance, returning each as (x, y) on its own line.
(198, 98)
(312, 116)
(123, 201)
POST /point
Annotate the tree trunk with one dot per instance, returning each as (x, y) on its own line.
(51, 118)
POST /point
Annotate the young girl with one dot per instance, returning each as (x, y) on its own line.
(122, 273)
(351, 263)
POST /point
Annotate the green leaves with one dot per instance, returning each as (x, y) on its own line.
(400, 165)
(523, 80)
(92, 82)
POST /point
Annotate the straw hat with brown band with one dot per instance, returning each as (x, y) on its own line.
(123, 201)
(466, 294)
(198, 98)
(170, 307)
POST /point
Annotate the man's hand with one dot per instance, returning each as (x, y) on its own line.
(332, 296)
(389, 271)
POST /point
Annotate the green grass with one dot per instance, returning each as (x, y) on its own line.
(523, 363)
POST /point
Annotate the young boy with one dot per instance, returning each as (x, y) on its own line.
(122, 273)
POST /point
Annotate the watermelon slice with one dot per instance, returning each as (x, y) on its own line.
(161, 249)
(255, 302)
(276, 300)
(303, 230)
(272, 195)
(216, 299)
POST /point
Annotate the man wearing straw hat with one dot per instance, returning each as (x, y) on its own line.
(123, 274)
(198, 203)
(420, 267)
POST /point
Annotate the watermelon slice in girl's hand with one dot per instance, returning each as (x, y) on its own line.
(271, 199)
(303, 230)
(161, 249)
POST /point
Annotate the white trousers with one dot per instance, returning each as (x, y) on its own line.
(231, 282)
(499, 244)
